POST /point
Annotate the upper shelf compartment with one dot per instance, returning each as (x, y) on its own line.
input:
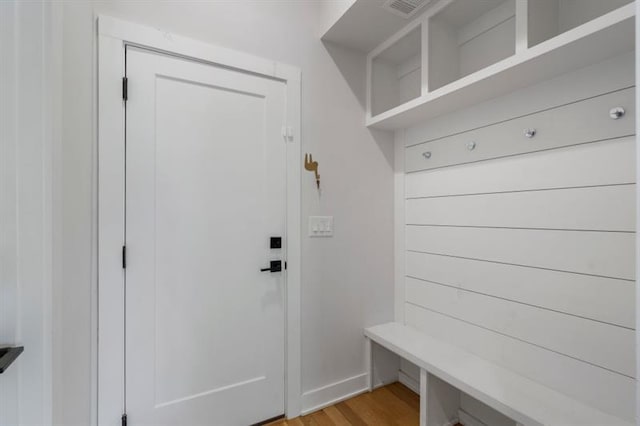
(396, 71)
(464, 52)
(549, 18)
(467, 36)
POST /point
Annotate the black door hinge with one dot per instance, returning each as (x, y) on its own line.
(124, 260)
(124, 420)
(125, 88)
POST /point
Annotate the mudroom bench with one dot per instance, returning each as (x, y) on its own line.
(526, 402)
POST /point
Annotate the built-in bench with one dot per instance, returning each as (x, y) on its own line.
(519, 398)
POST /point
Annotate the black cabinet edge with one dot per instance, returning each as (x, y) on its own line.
(8, 355)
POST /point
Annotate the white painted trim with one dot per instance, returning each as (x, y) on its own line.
(113, 35)
(52, 140)
(368, 362)
(319, 398)
(637, 398)
(110, 387)
(54, 73)
(399, 225)
(293, 356)
(522, 25)
(94, 312)
(369, 89)
(424, 57)
(152, 38)
(424, 397)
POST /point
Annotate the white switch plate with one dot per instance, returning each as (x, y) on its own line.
(321, 226)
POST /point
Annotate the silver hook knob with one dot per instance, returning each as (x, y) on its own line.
(426, 154)
(616, 113)
(529, 133)
(471, 146)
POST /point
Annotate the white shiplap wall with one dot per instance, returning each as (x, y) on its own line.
(522, 250)
(29, 139)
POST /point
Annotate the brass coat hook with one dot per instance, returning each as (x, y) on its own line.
(312, 166)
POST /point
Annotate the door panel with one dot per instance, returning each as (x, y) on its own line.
(205, 191)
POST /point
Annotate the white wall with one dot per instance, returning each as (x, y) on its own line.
(330, 11)
(29, 36)
(347, 280)
(522, 250)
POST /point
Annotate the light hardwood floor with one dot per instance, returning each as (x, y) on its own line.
(393, 404)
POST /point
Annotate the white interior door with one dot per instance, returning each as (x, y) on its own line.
(205, 191)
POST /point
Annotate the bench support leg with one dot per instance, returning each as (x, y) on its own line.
(368, 351)
(424, 394)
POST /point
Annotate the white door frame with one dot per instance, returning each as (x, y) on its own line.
(113, 36)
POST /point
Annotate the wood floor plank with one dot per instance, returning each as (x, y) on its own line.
(407, 395)
(371, 412)
(391, 405)
(350, 415)
(308, 420)
(336, 416)
(397, 409)
(322, 419)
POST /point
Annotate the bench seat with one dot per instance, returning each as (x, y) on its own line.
(519, 398)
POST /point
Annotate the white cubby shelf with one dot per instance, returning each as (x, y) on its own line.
(460, 53)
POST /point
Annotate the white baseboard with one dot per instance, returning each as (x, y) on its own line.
(409, 381)
(317, 399)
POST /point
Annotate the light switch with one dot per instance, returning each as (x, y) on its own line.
(321, 226)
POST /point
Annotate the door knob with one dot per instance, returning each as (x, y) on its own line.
(275, 266)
